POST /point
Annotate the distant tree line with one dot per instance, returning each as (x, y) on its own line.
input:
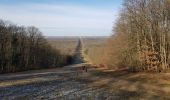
(24, 48)
(141, 39)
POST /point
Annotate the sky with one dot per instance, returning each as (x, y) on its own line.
(63, 17)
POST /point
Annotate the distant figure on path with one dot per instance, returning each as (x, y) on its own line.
(84, 68)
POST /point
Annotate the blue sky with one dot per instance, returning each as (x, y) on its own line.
(63, 17)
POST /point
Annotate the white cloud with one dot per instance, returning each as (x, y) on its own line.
(61, 19)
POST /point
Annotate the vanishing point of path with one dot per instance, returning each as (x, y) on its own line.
(72, 83)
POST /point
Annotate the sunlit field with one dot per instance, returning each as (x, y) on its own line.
(66, 45)
(94, 49)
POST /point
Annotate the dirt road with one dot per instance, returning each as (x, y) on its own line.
(71, 83)
(68, 83)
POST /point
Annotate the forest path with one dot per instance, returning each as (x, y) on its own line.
(72, 83)
(62, 83)
(78, 57)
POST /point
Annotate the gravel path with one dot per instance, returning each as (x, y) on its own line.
(72, 83)
(68, 83)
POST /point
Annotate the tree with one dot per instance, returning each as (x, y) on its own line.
(144, 24)
(24, 48)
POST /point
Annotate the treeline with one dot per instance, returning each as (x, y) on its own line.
(24, 48)
(141, 39)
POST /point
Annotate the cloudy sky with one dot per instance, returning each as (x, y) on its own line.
(63, 17)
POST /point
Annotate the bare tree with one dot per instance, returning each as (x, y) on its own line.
(147, 31)
(24, 48)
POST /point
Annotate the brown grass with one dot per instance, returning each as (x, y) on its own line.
(95, 49)
(96, 84)
(66, 45)
(136, 86)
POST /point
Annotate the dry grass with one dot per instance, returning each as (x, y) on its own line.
(94, 48)
(66, 45)
(96, 84)
(137, 86)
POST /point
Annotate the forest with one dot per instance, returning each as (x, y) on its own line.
(78, 53)
(24, 48)
(141, 39)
